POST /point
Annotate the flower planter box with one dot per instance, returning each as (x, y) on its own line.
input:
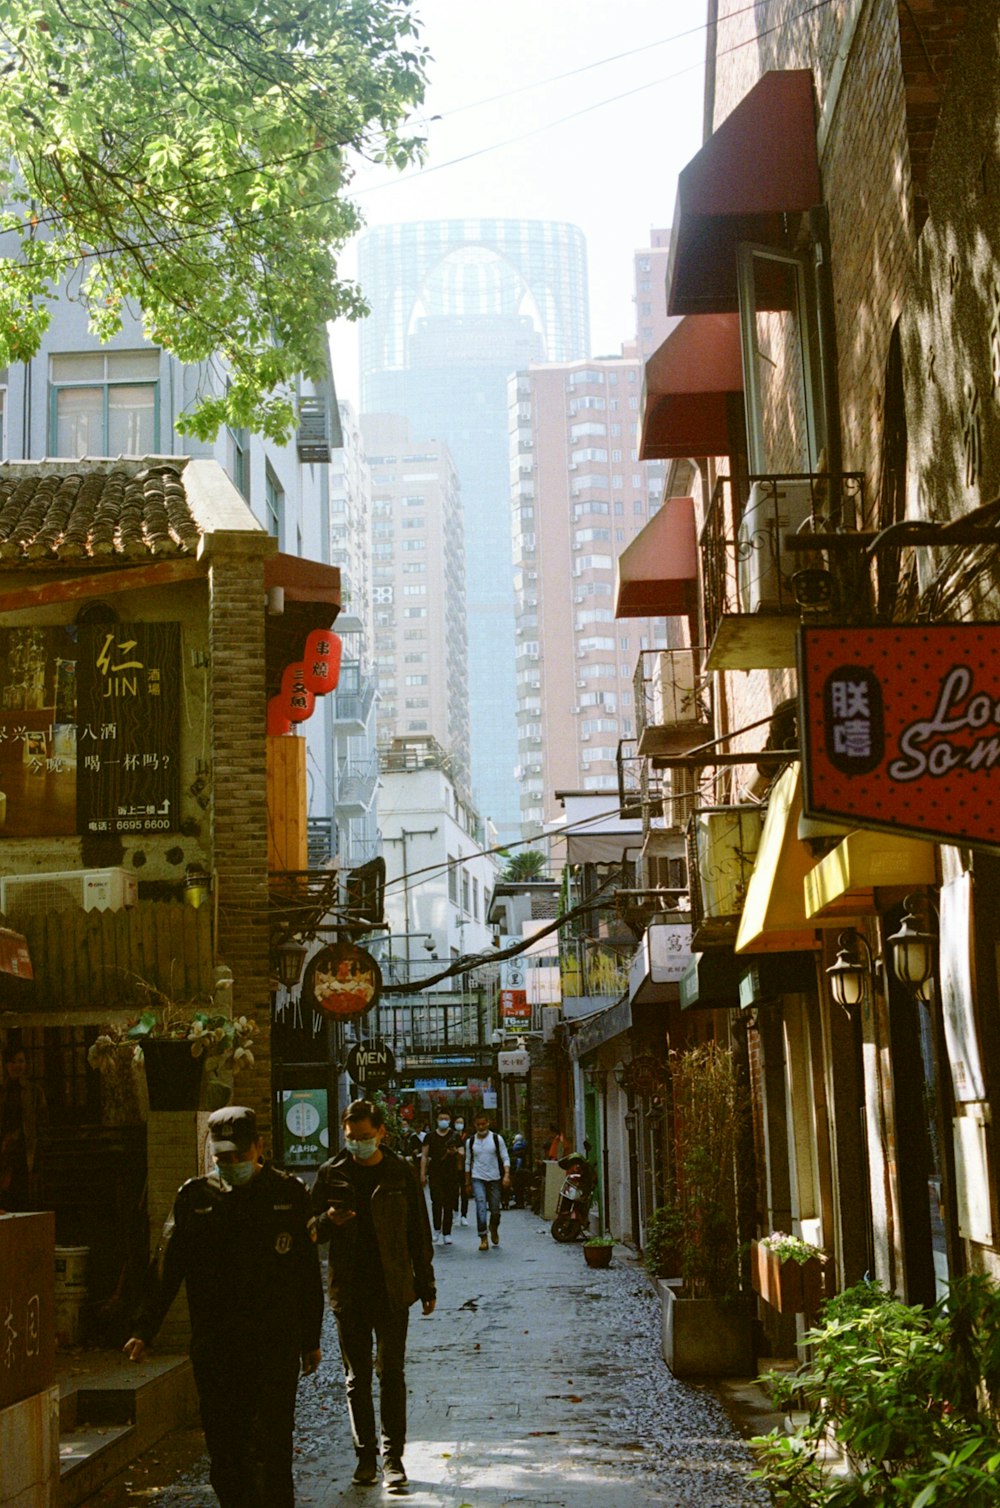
(598, 1256)
(706, 1337)
(789, 1286)
(173, 1074)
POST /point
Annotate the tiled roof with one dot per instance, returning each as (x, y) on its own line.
(99, 516)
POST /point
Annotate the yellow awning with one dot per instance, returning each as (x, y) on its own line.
(843, 884)
(774, 918)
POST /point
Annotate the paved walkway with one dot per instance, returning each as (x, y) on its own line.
(537, 1381)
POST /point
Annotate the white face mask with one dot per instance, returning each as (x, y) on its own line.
(443, 1125)
(362, 1150)
(459, 1125)
(235, 1173)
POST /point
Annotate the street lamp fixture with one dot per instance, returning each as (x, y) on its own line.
(847, 973)
(912, 950)
(596, 1076)
(621, 1074)
(288, 958)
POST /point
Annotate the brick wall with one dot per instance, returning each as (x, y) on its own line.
(239, 789)
(176, 1141)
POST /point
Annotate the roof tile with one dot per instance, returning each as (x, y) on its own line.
(116, 515)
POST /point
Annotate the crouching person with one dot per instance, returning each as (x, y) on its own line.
(369, 1207)
(243, 1241)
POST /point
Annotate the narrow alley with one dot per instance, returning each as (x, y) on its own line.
(537, 1381)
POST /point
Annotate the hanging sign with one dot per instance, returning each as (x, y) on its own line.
(901, 728)
(342, 981)
(371, 1065)
(514, 989)
(128, 765)
(515, 1063)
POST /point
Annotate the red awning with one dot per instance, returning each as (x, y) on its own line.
(657, 574)
(303, 580)
(759, 165)
(689, 389)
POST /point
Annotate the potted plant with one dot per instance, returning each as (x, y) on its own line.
(790, 1274)
(707, 1327)
(178, 1045)
(598, 1250)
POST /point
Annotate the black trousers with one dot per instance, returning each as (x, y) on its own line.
(247, 1399)
(368, 1325)
(443, 1197)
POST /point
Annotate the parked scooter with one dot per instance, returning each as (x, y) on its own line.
(572, 1217)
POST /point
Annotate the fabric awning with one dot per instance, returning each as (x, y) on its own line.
(843, 884)
(303, 580)
(759, 165)
(711, 982)
(657, 574)
(774, 918)
(691, 384)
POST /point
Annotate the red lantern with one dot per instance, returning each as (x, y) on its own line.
(321, 661)
(277, 718)
(297, 702)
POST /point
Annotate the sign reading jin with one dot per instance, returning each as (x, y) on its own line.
(901, 728)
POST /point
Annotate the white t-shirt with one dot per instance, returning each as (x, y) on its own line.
(481, 1157)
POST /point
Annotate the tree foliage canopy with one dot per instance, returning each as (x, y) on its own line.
(191, 158)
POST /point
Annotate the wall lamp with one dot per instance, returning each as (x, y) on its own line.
(287, 959)
(911, 953)
(596, 1077)
(621, 1074)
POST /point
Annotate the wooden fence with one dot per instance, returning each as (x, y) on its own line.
(82, 959)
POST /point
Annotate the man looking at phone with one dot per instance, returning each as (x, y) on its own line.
(368, 1205)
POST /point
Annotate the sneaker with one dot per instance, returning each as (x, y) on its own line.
(447, 1240)
(366, 1471)
(484, 1245)
(496, 1237)
(437, 1238)
(464, 1221)
(394, 1472)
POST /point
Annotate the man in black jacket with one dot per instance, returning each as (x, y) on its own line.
(369, 1207)
(244, 1241)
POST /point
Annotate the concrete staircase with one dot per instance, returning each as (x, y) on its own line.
(112, 1410)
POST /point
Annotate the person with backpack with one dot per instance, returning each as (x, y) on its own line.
(487, 1174)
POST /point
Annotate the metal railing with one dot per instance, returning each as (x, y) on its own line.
(670, 689)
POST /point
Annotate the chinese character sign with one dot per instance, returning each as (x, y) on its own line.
(901, 728)
(514, 1004)
(128, 728)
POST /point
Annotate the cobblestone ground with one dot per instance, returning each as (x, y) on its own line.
(537, 1381)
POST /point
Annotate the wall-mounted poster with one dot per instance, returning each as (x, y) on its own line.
(341, 980)
(128, 728)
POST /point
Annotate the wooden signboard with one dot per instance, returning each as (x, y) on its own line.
(27, 1306)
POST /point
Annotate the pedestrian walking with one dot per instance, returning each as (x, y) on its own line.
(22, 1115)
(487, 1173)
(462, 1199)
(243, 1240)
(369, 1207)
(556, 1145)
(442, 1172)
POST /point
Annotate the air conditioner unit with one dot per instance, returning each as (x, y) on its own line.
(725, 843)
(673, 690)
(90, 889)
(775, 509)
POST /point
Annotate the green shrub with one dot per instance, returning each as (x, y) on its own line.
(661, 1253)
(910, 1395)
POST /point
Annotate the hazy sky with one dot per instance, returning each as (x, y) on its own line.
(611, 168)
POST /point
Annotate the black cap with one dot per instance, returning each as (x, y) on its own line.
(232, 1129)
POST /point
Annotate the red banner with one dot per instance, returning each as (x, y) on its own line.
(901, 728)
(514, 1005)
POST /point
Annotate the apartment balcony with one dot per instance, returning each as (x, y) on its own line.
(749, 575)
(357, 780)
(671, 701)
(353, 699)
(593, 973)
(722, 844)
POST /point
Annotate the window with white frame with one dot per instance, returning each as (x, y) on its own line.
(104, 403)
(274, 505)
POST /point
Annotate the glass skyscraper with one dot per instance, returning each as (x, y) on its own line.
(457, 307)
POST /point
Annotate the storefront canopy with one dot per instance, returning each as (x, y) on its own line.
(842, 885)
(657, 574)
(760, 165)
(691, 383)
(774, 918)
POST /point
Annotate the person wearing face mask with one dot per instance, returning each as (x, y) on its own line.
(243, 1240)
(462, 1194)
(440, 1168)
(369, 1207)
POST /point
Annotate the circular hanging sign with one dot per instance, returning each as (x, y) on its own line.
(371, 1064)
(342, 981)
(646, 1073)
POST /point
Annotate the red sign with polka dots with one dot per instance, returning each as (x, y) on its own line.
(901, 728)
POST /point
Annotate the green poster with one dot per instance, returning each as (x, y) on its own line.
(307, 1130)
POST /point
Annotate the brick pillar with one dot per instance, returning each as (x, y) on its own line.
(239, 789)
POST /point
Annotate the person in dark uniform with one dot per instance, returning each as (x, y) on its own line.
(22, 1115)
(244, 1242)
(439, 1167)
(370, 1208)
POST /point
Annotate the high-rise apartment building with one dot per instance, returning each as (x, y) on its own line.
(457, 306)
(579, 495)
(418, 589)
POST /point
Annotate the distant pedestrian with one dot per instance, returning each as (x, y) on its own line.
(440, 1170)
(556, 1145)
(462, 1200)
(243, 1241)
(487, 1173)
(369, 1207)
(23, 1114)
